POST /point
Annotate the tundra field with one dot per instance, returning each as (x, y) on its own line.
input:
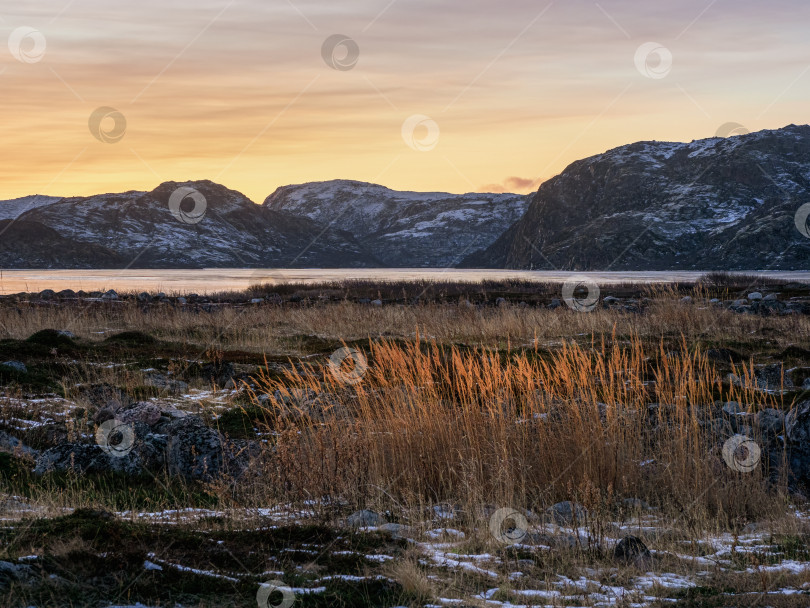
(407, 444)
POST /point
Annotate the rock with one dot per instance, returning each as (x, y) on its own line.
(555, 303)
(47, 294)
(797, 439)
(66, 334)
(144, 297)
(715, 302)
(632, 549)
(364, 519)
(772, 296)
(797, 425)
(219, 372)
(806, 384)
(257, 301)
(771, 378)
(163, 382)
(182, 301)
(15, 366)
(501, 302)
(754, 296)
(146, 413)
(770, 422)
(566, 513)
(395, 530)
(14, 573)
(376, 302)
(686, 300)
(109, 295)
(66, 294)
(86, 458)
(9, 443)
(194, 451)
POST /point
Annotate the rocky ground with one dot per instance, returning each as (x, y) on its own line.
(120, 453)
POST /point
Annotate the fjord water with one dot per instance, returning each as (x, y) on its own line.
(212, 280)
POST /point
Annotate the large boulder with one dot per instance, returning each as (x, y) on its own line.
(797, 438)
(86, 458)
(195, 451)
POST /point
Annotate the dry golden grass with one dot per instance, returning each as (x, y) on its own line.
(474, 427)
(279, 329)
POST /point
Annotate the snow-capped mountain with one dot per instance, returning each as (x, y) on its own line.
(13, 208)
(404, 229)
(225, 229)
(709, 204)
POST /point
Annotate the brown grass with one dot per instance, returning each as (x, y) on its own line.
(475, 427)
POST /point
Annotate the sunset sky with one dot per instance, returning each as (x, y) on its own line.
(239, 91)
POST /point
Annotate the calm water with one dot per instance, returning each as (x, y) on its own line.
(213, 280)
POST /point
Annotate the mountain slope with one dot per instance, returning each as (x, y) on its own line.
(404, 229)
(709, 204)
(13, 208)
(234, 232)
(31, 245)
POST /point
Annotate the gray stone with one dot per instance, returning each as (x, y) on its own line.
(566, 513)
(632, 550)
(194, 451)
(144, 297)
(182, 301)
(686, 300)
(770, 421)
(15, 366)
(146, 413)
(770, 377)
(86, 458)
(754, 296)
(364, 519)
(501, 302)
(376, 302)
(395, 530)
(109, 295)
(772, 296)
(15, 573)
(9, 443)
(163, 382)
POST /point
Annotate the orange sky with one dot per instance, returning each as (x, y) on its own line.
(239, 91)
